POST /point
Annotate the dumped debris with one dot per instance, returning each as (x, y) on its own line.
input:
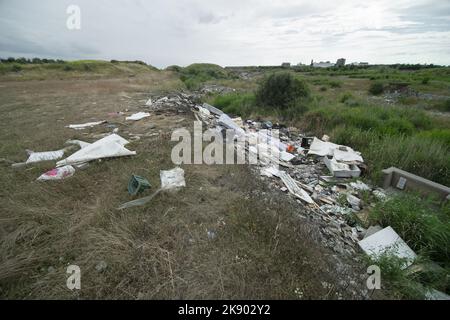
(170, 180)
(35, 157)
(387, 241)
(137, 184)
(138, 116)
(107, 147)
(85, 125)
(58, 173)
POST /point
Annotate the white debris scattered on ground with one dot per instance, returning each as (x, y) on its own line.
(58, 173)
(44, 156)
(107, 147)
(85, 125)
(138, 116)
(172, 179)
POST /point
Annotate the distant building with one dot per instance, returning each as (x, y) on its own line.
(286, 65)
(340, 62)
(322, 64)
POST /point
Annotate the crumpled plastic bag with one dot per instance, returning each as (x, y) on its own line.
(58, 173)
(171, 179)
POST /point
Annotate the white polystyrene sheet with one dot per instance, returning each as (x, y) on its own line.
(107, 147)
(138, 116)
(286, 156)
(85, 125)
(347, 156)
(321, 148)
(171, 179)
(270, 171)
(44, 156)
(387, 240)
(227, 122)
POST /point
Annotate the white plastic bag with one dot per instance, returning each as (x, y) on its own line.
(171, 179)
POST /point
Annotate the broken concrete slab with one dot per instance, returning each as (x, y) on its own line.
(341, 170)
(387, 241)
(212, 109)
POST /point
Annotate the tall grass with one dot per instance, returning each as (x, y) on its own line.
(422, 222)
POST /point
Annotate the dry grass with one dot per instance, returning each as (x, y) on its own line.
(262, 248)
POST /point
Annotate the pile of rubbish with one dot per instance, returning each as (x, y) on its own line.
(318, 173)
(176, 102)
(322, 177)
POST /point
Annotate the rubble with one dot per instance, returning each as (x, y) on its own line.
(305, 160)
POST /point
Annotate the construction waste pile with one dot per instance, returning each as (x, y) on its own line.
(321, 176)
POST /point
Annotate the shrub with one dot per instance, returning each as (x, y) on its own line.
(68, 67)
(16, 68)
(346, 96)
(335, 84)
(376, 88)
(425, 80)
(281, 90)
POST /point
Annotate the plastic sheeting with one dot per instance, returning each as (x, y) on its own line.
(85, 125)
(44, 156)
(107, 147)
(138, 116)
(347, 154)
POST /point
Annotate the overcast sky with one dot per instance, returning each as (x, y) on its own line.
(230, 32)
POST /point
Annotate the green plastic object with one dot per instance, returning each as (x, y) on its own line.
(137, 184)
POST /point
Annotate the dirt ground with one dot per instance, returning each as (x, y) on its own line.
(261, 246)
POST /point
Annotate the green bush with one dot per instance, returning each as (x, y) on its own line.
(281, 91)
(376, 88)
(346, 96)
(196, 74)
(16, 68)
(443, 106)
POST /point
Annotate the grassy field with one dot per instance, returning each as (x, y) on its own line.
(262, 247)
